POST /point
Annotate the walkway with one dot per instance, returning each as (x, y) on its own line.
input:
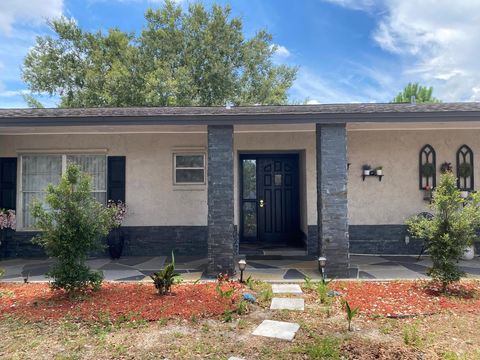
(275, 268)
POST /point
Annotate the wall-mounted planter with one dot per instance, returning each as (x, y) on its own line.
(427, 195)
(372, 174)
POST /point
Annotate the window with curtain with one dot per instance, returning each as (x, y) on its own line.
(96, 167)
(40, 170)
(37, 172)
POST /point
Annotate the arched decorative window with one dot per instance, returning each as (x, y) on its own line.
(427, 168)
(465, 168)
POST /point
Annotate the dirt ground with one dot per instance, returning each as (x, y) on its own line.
(323, 335)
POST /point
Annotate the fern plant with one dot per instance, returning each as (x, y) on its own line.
(164, 279)
(350, 313)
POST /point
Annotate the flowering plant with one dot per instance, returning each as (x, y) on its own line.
(7, 219)
(446, 167)
(120, 211)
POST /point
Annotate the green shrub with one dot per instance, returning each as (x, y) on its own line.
(164, 279)
(72, 223)
(2, 272)
(322, 291)
(451, 230)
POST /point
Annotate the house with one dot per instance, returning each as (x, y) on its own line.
(205, 180)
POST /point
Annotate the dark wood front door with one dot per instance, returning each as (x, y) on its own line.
(278, 205)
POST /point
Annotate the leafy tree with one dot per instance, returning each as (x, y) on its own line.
(451, 230)
(180, 58)
(72, 227)
(32, 102)
(422, 94)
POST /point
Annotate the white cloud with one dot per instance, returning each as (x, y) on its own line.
(281, 51)
(354, 4)
(437, 41)
(32, 12)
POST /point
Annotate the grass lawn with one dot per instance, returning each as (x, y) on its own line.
(398, 320)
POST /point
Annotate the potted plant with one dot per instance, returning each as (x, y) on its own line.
(428, 170)
(379, 170)
(469, 253)
(7, 227)
(116, 240)
(465, 170)
(366, 169)
(446, 167)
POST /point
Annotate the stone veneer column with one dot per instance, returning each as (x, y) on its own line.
(220, 200)
(332, 206)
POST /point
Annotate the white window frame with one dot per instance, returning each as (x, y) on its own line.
(64, 155)
(190, 153)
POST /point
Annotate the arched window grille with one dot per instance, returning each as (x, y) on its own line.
(465, 168)
(427, 168)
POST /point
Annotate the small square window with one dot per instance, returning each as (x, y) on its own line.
(189, 169)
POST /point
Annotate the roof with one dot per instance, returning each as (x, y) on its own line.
(324, 113)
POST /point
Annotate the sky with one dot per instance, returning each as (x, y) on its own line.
(345, 50)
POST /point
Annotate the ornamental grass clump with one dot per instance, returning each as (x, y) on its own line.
(72, 223)
(450, 230)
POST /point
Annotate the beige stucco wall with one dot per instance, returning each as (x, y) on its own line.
(150, 194)
(398, 196)
(154, 200)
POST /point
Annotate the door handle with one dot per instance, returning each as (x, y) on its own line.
(262, 203)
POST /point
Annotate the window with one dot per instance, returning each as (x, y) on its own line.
(189, 169)
(465, 168)
(40, 170)
(427, 168)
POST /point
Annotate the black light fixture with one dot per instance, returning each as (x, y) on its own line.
(242, 264)
(322, 262)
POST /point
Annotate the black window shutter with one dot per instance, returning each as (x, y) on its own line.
(116, 178)
(8, 183)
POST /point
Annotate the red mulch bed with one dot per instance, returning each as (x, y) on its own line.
(409, 298)
(138, 301)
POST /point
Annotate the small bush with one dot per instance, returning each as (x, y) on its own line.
(2, 272)
(72, 223)
(450, 231)
(164, 279)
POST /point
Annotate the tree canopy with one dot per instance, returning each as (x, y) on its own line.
(180, 58)
(423, 94)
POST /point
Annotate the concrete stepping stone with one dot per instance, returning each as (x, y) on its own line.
(287, 304)
(286, 289)
(277, 329)
(235, 358)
